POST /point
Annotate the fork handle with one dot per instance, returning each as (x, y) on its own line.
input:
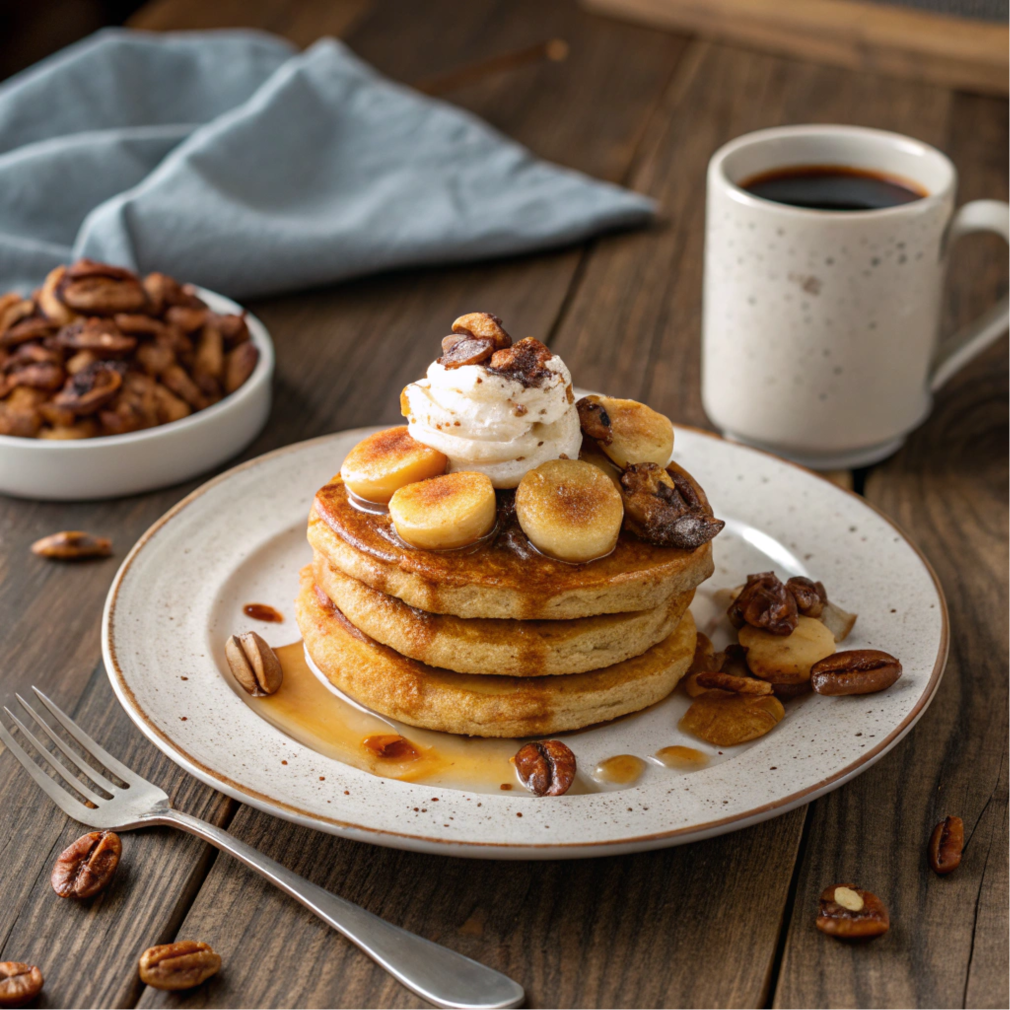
(434, 972)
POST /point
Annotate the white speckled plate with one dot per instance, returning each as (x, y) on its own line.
(240, 538)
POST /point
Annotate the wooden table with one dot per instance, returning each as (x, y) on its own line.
(727, 922)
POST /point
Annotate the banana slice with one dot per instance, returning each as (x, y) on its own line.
(628, 431)
(569, 510)
(444, 512)
(786, 659)
(381, 464)
(590, 453)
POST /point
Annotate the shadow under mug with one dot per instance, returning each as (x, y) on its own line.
(821, 328)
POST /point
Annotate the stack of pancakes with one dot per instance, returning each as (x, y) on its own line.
(493, 640)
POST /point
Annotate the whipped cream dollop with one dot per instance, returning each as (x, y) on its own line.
(493, 422)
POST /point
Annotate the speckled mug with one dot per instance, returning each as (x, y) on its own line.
(821, 328)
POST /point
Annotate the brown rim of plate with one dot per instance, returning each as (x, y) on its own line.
(265, 802)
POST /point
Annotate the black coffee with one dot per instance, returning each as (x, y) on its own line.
(832, 187)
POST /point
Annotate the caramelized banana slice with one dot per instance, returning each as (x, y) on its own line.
(569, 510)
(628, 431)
(378, 466)
(787, 659)
(445, 512)
(591, 453)
(726, 719)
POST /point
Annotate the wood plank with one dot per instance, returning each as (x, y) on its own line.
(947, 488)
(879, 38)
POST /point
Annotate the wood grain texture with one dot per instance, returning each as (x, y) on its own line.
(947, 487)
(886, 39)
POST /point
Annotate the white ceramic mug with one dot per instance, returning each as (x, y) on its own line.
(821, 328)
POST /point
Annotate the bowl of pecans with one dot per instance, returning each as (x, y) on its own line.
(113, 384)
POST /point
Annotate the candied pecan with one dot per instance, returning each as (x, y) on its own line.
(19, 412)
(72, 545)
(87, 865)
(14, 308)
(154, 357)
(526, 362)
(134, 407)
(810, 596)
(80, 361)
(764, 603)
(32, 328)
(734, 661)
(179, 965)
(234, 328)
(179, 382)
(594, 419)
(163, 291)
(466, 351)
(254, 664)
(208, 363)
(48, 301)
(850, 913)
(138, 325)
(100, 289)
(664, 507)
(546, 767)
(945, 845)
(169, 406)
(732, 682)
(19, 983)
(239, 365)
(188, 318)
(857, 671)
(100, 336)
(58, 416)
(45, 375)
(90, 388)
(482, 324)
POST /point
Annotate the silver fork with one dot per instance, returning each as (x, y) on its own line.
(435, 973)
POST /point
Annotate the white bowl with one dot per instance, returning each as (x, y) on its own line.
(111, 466)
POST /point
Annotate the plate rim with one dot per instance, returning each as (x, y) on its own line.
(503, 849)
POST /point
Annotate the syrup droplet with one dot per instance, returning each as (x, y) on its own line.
(263, 612)
(682, 757)
(391, 747)
(620, 769)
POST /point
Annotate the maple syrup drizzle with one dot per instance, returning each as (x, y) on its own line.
(263, 612)
(621, 769)
(682, 757)
(311, 713)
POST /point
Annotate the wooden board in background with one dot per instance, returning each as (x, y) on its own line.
(920, 45)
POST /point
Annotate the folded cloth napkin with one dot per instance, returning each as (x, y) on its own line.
(231, 160)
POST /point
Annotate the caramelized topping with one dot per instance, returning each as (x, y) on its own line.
(391, 747)
(525, 362)
(666, 507)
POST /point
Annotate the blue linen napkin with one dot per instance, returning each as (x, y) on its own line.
(231, 160)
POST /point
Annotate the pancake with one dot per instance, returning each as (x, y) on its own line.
(499, 646)
(502, 576)
(393, 685)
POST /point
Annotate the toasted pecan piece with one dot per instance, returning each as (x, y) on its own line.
(667, 507)
(526, 362)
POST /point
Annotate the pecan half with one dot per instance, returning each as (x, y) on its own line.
(254, 664)
(858, 671)
(945, 845)
(208, 362)
(90, 388)
(546, 767)
(850, 913)
(100, 336)
(483, 324)
(87, 865)
(19, 412)
(764, 603)
(526, 362)
(52, 308)
(188, 318)
(810, 596)
(163, 291)
(466, 350)
(666, 507)
(72, 545)
(100, 289)
(594, 419)
(32, 328)
(731, 682)
(239, 365)
(179, 965)
(19, 983)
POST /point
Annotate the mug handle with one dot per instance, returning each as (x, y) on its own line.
(956, 351)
